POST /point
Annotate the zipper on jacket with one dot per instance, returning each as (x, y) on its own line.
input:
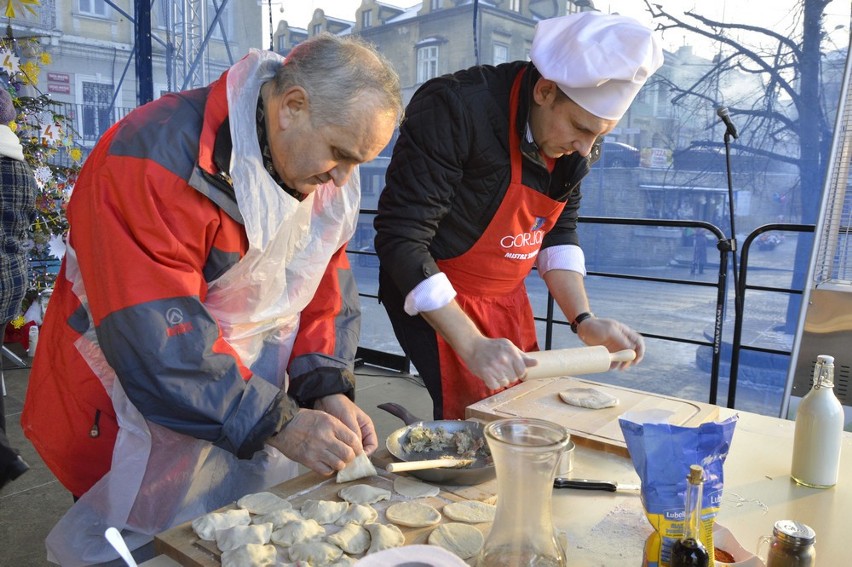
(95, 431)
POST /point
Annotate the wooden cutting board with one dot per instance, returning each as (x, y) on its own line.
(181, 544)
(597, 428)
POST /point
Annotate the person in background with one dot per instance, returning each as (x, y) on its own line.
(17, 213)
(201, 336)
(484, 184)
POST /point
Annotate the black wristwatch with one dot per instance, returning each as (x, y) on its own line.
(579, 319)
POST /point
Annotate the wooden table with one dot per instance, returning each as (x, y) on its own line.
(609, 529)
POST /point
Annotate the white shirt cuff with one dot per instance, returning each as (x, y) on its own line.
(561, 257)
(432, 293)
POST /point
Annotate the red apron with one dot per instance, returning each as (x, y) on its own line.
(489, 278)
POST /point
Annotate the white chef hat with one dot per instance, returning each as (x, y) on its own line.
(600, 61)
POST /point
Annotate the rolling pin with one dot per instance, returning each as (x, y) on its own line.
(573, 361)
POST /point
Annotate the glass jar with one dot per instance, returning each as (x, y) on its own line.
(791, 545)
(525, 453)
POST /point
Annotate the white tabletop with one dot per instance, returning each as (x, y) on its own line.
(609, 529)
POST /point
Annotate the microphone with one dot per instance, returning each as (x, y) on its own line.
(722, 112)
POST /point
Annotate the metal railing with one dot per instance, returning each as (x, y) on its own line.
(402, 363)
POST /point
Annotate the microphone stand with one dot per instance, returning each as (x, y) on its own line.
(730, 245)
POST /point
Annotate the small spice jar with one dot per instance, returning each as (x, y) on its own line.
(791, 545)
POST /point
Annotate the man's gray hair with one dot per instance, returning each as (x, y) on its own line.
(338, 73)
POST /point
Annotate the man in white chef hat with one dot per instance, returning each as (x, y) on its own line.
(484, 185)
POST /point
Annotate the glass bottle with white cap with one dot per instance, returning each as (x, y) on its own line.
(819, 430)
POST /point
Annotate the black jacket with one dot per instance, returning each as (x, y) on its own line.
(451, 169)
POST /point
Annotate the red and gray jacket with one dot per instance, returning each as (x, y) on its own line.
(153, 222)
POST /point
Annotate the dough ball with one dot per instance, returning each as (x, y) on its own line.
(205, 526)
(411, 488)
(263, 503)
(250, 555)
(315, 552)
(588, 398)
(323, 511)
(384, 536)
(364, 494)
(237, 536)
(361, 467)
(352, 539)
(462, 539)
(277, 518)
(470, 511)
(412, 514)
(358, 514)
(296, 531)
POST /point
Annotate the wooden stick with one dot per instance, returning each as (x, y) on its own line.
(428, 464)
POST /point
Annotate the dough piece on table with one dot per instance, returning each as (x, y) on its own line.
(205, 526)
(470, 511)
(384, 536)
(412, 514)
(462, 539)
(361, 467)
(352, 539)
(250, 555)
(315, 552)
(358, 514)
(237, 536)
(324, 511)
(296, 531)
(588, 398)
(411, 488)
(263, 503)
(277, 518)
(344, 561)
(364, 494)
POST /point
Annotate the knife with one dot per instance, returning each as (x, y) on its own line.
(586, 484)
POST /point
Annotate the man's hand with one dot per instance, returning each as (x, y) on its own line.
(497, 362)
(615, 336)
(353, 417)
(327, 438)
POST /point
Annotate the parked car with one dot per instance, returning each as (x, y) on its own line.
(617, 154)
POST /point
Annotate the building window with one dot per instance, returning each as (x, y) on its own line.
(96, 116)
(366, 18)
(515, 5)
(427, 63)
(437, 4)
(93, 8)
(282, 43)
(317, 29)
(501, 53)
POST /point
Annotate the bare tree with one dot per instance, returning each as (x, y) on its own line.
(789, 120)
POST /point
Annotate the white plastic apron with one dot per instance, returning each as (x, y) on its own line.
(160, 478)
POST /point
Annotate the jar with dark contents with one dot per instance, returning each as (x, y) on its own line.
(791, 545)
